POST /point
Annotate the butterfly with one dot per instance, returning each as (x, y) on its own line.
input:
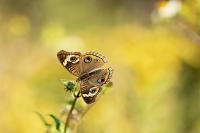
(87, 68)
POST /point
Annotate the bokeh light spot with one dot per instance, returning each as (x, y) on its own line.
(19, 25)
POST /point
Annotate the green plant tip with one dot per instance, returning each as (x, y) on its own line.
(69, 86)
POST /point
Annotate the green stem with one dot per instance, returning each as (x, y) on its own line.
(70, 111)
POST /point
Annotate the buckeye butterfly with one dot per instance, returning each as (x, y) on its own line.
(87, 68)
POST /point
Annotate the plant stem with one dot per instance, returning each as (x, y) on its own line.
(70, 111)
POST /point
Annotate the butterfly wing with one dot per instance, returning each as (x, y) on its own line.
(91, 86)
(89, 92)
(91, 61)
(71, 61)
(100, 77)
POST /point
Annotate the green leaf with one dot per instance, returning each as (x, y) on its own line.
(43, 119)
(57, 121)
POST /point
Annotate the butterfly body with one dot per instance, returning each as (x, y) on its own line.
(87, 68)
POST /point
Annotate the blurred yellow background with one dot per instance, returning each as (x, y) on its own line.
(153, 47)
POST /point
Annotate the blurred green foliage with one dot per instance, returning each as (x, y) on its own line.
(155, 59)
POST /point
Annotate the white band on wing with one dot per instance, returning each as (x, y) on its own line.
(65, 62)
(68, 60)
(90, 94)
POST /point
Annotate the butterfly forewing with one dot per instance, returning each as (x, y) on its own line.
(91, 61)
(71, 61)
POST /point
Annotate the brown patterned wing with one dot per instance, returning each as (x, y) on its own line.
(91, 61)
(100, 77)
(71, 61)
(91, 86)
(89, 92)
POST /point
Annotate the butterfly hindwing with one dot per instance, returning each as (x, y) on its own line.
(91, 86)
(89, 92)
(71, 61)
(100, 76)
